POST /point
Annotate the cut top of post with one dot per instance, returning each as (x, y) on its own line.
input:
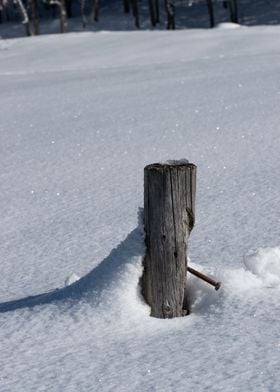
(171, 163)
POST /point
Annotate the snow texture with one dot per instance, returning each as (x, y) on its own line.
(265, 263)
(81, 115)
(71, 279)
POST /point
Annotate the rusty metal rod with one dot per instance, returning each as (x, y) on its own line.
(199, 275)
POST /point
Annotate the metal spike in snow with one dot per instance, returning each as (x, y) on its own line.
(199, 275)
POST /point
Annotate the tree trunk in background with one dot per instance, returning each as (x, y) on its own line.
(126, 6)
(157, 11)
(211, 13)
(170, 9)
(84, 18)
(135, 12)
(1, 10)
(63, 17)
(152, 13)
(68, 5)
(62, 14)
(35, 16)
(96, 10)
(233, 11)
(25, 18)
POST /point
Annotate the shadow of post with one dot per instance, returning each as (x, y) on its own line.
(94, 282)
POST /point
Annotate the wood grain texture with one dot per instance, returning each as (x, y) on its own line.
(169, 205)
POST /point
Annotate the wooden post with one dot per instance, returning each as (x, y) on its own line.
(169, 205)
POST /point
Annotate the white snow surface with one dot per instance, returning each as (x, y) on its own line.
(81, 115)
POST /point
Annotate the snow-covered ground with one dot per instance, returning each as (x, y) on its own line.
(81, 115)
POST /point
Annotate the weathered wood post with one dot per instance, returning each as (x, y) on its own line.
(169, 206)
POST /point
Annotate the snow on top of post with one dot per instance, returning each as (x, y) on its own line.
(176, 162)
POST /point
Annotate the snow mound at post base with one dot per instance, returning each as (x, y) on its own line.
(265, 263)
(71, 279)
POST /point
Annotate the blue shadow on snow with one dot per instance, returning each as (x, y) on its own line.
(95, 281)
